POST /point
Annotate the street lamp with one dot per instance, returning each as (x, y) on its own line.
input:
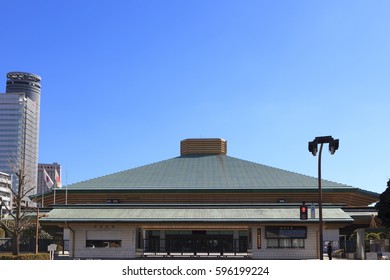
(1, 208)
(313, 148)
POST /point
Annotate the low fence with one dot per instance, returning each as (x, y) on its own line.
(373, 249)
(26, 244)
(348, 246)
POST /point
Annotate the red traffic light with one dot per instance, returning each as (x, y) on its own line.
(303, 212)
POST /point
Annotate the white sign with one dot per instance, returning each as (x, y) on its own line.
(52, 247)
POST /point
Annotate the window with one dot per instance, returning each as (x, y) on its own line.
(104, 243)
(286, 237)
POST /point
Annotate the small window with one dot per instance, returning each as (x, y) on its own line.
(104, 243)
(286, 237)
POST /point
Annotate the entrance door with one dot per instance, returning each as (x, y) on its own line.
(199, 243)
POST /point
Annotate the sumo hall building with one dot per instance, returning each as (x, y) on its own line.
(203, 203)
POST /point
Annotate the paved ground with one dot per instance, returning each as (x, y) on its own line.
(65, 256)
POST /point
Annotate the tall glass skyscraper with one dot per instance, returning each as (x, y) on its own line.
(19, 126)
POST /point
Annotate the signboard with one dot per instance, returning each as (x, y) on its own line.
(52, 248)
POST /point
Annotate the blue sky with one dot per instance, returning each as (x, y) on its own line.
(123, 82)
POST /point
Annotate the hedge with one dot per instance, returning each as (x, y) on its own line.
(40, 256)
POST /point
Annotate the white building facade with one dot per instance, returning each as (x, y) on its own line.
(5, 192)
(127, 232)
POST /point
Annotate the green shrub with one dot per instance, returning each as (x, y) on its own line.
(40, 256)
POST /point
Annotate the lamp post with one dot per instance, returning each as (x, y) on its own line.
(37, 233)
(1, 208)
(313, 148)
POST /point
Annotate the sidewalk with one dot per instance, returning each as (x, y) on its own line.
(333, 258)
(62, 256)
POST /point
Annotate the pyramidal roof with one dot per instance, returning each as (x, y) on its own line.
(203, 164)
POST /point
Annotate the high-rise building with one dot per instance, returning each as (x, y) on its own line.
(19, 127)
(50, 169)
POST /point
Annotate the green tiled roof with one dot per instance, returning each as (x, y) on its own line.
(203, 172)
(188, 214)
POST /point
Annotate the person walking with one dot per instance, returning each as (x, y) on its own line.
(329, 249)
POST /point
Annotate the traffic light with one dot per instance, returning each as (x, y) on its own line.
(303, 212)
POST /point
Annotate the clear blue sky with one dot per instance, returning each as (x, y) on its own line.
(123, 82)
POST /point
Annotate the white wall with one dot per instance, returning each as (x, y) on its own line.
(125, 233)
(309, 252)
(332, 235)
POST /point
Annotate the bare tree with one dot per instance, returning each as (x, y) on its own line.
(19, 216)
